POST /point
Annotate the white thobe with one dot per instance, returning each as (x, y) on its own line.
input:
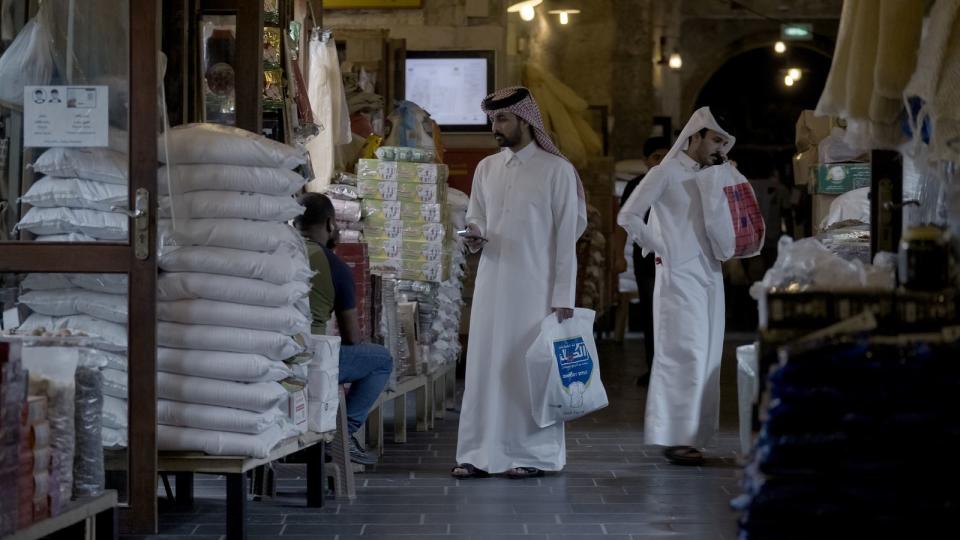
(526, 205)
(683, 402)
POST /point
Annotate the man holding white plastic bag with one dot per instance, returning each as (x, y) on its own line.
(683, 403)
(526, 212)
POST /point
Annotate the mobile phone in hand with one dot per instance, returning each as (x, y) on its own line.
(465, 233)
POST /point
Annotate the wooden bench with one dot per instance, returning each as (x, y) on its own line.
(87, 518)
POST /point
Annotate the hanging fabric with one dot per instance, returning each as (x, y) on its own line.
(329, 103)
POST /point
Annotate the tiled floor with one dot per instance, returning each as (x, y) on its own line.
(613, 488)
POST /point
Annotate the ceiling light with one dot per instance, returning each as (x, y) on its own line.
(788, 80)
(525, 8)
(564, 14)
(795, 74)
(676, 62)
(780, 47)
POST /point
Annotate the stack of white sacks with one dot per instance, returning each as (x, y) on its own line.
(233, 309)
(73, 202)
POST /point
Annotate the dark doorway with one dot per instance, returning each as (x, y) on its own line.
(762, 111)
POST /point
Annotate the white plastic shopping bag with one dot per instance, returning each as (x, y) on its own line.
(731, 213)
(563, 370)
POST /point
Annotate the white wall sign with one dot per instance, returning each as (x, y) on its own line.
(65, 116)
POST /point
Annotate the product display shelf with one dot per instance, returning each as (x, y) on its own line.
(76, 520)
(442, 388)
(405, 385)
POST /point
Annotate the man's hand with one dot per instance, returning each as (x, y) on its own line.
(563, 313)
(474, 238)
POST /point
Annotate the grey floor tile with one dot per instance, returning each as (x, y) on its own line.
(378, 531)
(492, 528)
(615, 487)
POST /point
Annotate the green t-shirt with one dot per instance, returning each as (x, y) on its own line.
(331, 288)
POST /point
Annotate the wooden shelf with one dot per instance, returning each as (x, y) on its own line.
(75, 512)
(203, 463)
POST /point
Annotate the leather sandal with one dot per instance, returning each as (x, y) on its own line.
(683, 455)
(466, 470)
(518, 473)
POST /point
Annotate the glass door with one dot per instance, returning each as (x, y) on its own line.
(79, 107)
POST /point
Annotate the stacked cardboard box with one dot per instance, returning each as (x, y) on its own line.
(405, 220)
(356, 257)
(34, 481)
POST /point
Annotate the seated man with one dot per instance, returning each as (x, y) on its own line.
(366, 366)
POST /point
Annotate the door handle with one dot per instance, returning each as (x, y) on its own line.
(141, 223)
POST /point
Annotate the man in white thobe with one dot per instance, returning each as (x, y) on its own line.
(526, 212)
(683, 402)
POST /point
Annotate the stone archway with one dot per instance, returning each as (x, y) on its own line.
(703, 66)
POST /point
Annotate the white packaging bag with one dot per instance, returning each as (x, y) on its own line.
(747, 389)
(115, 413)
(68, 237)
(99, 164)
(186, 285)
(280, 267)
(731, 213)
(45, 282)
(204, 177)
(209, 417)
(28, 60)
(237, 367)
(242, 234)
(220, 338)
(113, 438)
(105, 335)
(100, 225)
(64, 302)
(227, 145)
(235, 205)
(323, 390)
(107, 283)
(50, 192)
(256, 397)
(218, 443)
(115, 383)
(285, 320)
(563, 370)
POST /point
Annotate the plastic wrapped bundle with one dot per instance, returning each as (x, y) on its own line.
(347, 210)
(52, 371)
(12, 392)
(88, 473)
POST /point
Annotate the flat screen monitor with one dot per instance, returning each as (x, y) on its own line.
(450, 86)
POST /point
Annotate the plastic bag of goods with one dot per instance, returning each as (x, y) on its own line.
(228, 366)
(187, 285)
(227, 145)
(218, 177)
(218, 443)
(28, 61)
(563, 370)
(88, 471)
(242, 234)
(323, 394)
(256, 397)
(731, 212)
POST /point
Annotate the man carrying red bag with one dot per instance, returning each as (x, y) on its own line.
(683, 402)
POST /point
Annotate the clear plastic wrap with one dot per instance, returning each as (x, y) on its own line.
(88, 471)
(809, 265)
(12, 393)
(52, 371)
(347, 210)
(401, 153)
(28, 60)
(346, 192)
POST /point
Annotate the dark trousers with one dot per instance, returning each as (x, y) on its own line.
(645, 272)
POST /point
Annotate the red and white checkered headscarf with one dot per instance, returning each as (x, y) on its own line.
(519, 101)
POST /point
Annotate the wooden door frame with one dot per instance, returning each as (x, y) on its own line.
(140, 516)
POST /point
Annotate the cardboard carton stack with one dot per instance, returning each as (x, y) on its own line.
(405, 219)
(356, 257)
(825, 177)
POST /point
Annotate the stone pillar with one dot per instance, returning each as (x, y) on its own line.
(632, 77)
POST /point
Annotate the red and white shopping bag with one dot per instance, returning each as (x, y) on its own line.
(731, 213)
